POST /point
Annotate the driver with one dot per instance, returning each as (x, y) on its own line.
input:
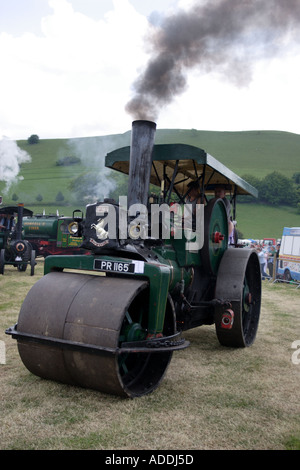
(220, 192)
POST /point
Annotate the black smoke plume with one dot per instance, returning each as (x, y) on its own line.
(225, 37)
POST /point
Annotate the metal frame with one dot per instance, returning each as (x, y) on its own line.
(179, 164)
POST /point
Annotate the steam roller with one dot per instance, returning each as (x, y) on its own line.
(155, 266)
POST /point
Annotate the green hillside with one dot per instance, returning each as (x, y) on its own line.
(256, 153)
(261, 221)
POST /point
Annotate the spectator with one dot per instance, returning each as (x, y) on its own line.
(270, 260)
(262, 261)
(277, 257)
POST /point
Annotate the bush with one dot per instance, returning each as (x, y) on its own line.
(274, 189)
(33, 139)
(278, 189)
(68, 161)
(59, 197)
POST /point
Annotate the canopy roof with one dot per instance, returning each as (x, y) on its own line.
(11, 210)
(179, 164)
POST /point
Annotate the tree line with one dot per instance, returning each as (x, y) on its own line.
(275, 189)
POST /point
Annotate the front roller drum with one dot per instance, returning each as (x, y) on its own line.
(238, 284)
(97, 312)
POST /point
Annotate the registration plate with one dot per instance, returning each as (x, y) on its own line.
(119, 266)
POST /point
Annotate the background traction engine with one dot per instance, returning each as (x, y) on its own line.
(52, 234)
(111, 320)
(14, 249)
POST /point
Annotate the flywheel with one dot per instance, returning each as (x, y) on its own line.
(215, 235)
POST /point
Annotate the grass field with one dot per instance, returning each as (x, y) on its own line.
(211, 398)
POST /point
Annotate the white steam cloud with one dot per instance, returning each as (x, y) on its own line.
(11, 157)
(92, 152)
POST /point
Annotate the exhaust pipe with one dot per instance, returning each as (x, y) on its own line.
(20, 221)
(142, 142)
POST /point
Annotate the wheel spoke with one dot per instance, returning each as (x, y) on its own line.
(128, 317)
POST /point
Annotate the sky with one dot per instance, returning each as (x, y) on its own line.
(68, 68)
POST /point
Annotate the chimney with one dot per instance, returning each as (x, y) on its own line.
(20, 221)
(142, 142)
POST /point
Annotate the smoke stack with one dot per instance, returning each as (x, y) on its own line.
(142, 142)
(20, 221)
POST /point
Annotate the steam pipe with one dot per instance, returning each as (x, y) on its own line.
(20, 221)
(142, 142)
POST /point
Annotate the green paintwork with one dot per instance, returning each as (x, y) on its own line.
(37, 227)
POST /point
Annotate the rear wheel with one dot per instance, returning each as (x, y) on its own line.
(239, 282)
